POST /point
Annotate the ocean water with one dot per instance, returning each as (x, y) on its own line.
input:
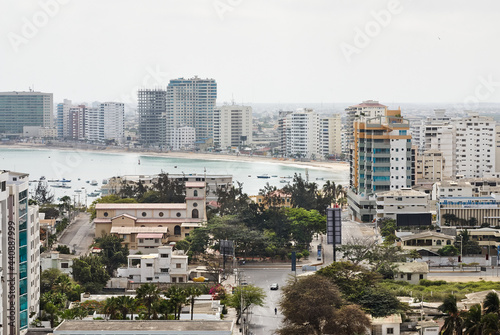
(82, 166)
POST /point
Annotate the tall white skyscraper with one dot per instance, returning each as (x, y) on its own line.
(232, 126)
(475, 146)
(20, 243)
(302, 134)
(191, 103)
(114, 120)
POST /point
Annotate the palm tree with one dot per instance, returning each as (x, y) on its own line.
(52, 310)
(453, 323)
(111, 308)
(126, 305)
(491, 303)
(193, 292)
(148, 294)
(177, 297)
(490, 324)
(472, 322)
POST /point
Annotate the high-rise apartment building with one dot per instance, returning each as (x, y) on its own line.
(366, 109)
(442, 138)
(232, 126)
(191, 102)
(62, 121)
(19, 109)
(331, 136)
(20, 256)
(381, 160)
(282, 121)
(113, 120)
(476, 146)
(151, 106)
(77, 122)
(302, 134)
(94, 124)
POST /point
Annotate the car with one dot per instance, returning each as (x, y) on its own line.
(274, 286)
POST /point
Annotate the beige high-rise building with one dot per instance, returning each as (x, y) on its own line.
(232, 126)
(331, 136)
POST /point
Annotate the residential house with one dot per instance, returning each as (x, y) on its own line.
(411, 272)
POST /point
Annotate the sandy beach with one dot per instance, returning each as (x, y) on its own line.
(324, 165)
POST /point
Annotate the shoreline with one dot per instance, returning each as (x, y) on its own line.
(322, 165)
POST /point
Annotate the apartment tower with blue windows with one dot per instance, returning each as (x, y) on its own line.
(20, 243)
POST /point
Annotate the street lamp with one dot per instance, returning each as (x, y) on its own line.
(461, 251)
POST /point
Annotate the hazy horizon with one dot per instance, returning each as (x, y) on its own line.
(280, 51)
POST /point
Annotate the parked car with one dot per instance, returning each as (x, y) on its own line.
(274, 286)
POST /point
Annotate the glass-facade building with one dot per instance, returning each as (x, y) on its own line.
(19, 109)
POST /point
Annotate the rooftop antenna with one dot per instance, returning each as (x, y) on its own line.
(232, 99)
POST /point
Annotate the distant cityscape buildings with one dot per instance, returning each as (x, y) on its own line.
(232, 126)
(25, 109)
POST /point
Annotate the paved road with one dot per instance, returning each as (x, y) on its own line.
(262, 320)
(79, 235)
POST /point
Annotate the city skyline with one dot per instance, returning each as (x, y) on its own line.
(258, 52)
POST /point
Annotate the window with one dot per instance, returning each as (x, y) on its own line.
(195, 204)
(178, 215)
(143, 213)
(181, 280)
(194, 214)
(421, 276)
(177, 230)
(149, 278)
(149, 265)
(160, 214)
(178, 265)
(174, 280)
(164, 255)
(106, 214)
(408, 276)
(64, 265)
(390, 330)
(164, 270)
(195, 193)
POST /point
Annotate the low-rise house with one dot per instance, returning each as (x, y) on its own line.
(429, 240)
(411, 272)
(476, 298)
(56, 260)
(276, 199)
(428, 328)
(389, 325)
(166, 266)
(451, 189)
(403, 201)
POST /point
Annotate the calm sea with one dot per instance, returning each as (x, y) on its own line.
(83, 166)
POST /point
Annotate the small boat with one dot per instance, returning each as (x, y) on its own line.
(53, 180)
(264, 176)
(93, 194)
(78, 191)
(42, 178)
(94, 183)
(249, 175)
(320, 178)
(139, 162)
(64, 180)
(274, 176)
(288, 177)
(87, 181)
(283, 181)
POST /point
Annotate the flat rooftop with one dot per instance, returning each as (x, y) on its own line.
(77, 327)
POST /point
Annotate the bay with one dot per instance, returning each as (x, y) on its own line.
(81, 166)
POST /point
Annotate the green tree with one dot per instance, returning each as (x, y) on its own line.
(469, 246)
(448, 250)
(127, 305)
(491, 303)
(472, 321)
(113, 252)
(232, 200)
(304, 224)
(453, 323)
(177, 298)
(148, 295)
(304, 194)
(43, 195)
(63, 249)
(111, 308)
(169, 190)
(193, 292)
(89, 271)
(313, 305)
(250, 295)
(47, 279)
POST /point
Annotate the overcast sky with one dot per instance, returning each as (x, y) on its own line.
(256, 50)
